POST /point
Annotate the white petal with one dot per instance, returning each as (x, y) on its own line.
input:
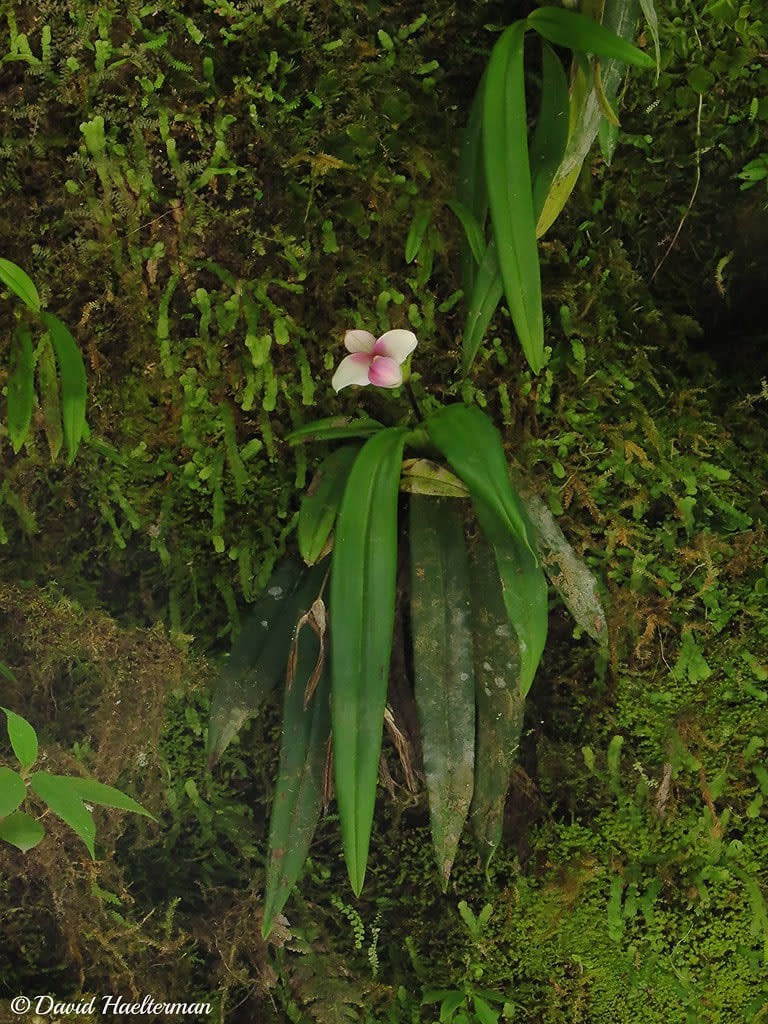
(352, 370)
(396, 344)
(359, 341)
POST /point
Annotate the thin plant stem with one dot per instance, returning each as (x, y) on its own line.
(414, 403)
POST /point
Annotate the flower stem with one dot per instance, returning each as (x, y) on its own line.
(413, 401)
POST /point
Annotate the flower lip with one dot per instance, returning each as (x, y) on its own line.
(385, 372)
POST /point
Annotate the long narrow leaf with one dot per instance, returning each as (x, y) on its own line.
(472, 446)
(260, 653)
(362, 610)
(524, 589)
(508, 177)
(320, 504)
(334, 428)
(649, 11)
(299, 792)
(417, 230)
(608, 137)
(21, 387)
(473, 233)
(73, 381)
(550, 136)
(500, 702)
(444, 685)
(620, 18)
(20, 284)
(483, 302)
(48, 391)
(471, 189)
(578, 32)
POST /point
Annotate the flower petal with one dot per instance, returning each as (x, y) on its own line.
(385, 372)
(359, 341)
(352, 370)
(398, 345)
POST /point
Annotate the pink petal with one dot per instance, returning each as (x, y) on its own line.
(398, 345)
(359, 341)
(352, 370)
(385, 372)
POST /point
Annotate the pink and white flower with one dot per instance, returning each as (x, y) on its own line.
(374, 361)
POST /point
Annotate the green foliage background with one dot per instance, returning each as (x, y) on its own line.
(209, 195)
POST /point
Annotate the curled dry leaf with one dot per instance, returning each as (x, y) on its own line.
(317, 620)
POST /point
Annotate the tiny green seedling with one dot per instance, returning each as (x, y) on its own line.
(468, 1004)
(68, 797)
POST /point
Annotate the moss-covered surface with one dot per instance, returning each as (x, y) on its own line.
(247, 201)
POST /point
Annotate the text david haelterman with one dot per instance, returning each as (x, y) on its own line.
(46, 1005)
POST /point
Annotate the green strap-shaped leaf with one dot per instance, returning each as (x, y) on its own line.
(619, 17)
(472, 446)
(609, 114)
(578, 32)
(48, 390)
(12, 791)
(57, 791)
(20, 284)
(320, 504)
(299, 792)
(23, 738)
(260, 653)
(99, 793)
(73, 381)
(649, 11)
(608, 137)
(471, 187)
(473, 233)
(21, 387)
(362, 611)
(483, 302)
(508, 178)
(417, 230)
(500, 703)
(524, 589)
(334, 428)
(550, 136)
(444, 684)
(21, 831)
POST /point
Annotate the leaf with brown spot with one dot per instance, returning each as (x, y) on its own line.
(298, 796)
(443, 668)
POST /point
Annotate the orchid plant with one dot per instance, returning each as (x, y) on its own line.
(480, 547)
(478, 622)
